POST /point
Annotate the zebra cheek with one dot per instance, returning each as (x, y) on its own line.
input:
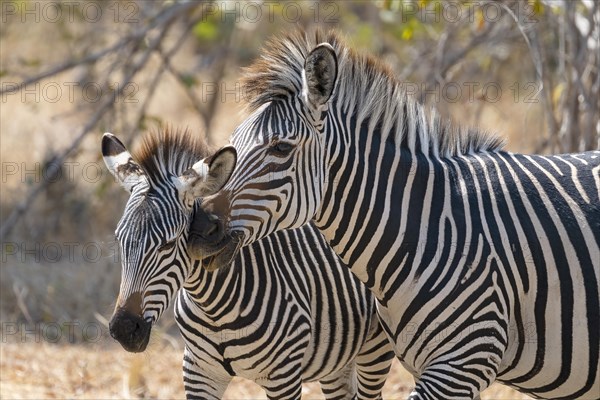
(194, 248)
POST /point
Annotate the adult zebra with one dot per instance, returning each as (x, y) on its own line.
(485, 264)
(276, 316)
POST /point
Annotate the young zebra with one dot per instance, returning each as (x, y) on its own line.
(286, 310)
(485, 264)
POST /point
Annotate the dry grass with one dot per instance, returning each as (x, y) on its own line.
(105, 371)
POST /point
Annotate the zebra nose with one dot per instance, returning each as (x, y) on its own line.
(212, 229)
(132, 331)
(208, 227)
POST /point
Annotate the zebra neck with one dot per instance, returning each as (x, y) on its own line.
(212, 290)
(365, 213)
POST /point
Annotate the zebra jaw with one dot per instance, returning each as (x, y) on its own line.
(223, 256)
(209, 263)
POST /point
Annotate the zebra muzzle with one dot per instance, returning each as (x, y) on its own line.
(130, 330)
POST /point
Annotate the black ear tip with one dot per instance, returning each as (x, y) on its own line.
(325, 49)
(231, 150)
(111, 146)
(226, 150)
(325, 45)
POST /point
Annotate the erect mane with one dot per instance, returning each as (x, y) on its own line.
(365, 87)
(169, 152)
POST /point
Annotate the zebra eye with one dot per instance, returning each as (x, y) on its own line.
(281, 148)
(166, 246)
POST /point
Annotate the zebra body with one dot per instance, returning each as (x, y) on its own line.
(497, 272)
(285, 311)
(485, 264)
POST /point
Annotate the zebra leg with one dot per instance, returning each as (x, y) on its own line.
(202, 383)
(340, 385)
(373, 362)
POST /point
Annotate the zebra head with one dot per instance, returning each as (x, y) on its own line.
(280, 176)
(164, 179)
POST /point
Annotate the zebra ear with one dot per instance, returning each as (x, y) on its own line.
(207, 176)
(319, 75)
(120, 163)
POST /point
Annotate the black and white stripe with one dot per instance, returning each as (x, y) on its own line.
(286, 310)
(485, 264)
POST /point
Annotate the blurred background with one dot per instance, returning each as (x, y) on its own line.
(71, 70)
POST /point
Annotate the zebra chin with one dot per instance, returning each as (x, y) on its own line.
(215, 257)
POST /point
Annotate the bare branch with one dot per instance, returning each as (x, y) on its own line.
(163, 17)
(20, 208)
(206, 112)
(162, 68)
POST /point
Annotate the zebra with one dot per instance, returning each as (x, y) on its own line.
(485, 264)
(286, 310)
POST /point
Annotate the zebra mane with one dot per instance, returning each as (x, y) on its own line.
(169, 152)
(366, 88)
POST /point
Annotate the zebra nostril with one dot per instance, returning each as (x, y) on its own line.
(211, 230)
